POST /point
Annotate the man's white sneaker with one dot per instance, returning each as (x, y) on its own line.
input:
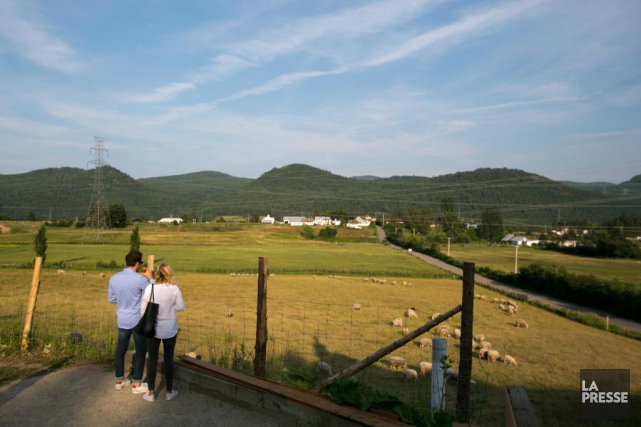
(142, 388)
(122, 383)
(149, 398)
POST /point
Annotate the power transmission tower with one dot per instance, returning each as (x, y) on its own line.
(98, 216)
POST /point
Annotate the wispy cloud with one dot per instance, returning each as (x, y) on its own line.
(629, 96)
(34, 41)
(160, 94)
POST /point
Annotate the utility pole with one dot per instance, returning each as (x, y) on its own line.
(98, 216)
(516, 259)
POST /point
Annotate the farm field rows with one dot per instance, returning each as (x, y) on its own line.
(502, 258)
(310, 320)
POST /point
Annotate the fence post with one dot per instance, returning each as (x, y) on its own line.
(607, 323)
(31, 306)
(260, 353)
(465, 355)
(150, 264)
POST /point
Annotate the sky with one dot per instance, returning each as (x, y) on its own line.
(403, 87)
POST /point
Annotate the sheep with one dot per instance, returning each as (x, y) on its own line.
(511, 310)
(443, 332)
(103, 275)
(61, 272)
(425, 343)
(502, 307)
(324, 368)
(411, 314)
(410, 285)
(495, 300)
(486, 345)
(397, 322)
(512, 303)
(503, 301)
(521, 324)
(483, 353)
(406, 330)
(365, 280)
(393, 282)
(479, 337)
(425, 367)
(410, 375)
(493, 355)
(383, 281)
(229, 313)
(397, 362)
(510, 360)
(435, 316)
(404, 283)
(356, 306)
(457, 333)
(84, 274)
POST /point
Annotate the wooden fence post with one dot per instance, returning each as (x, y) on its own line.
(465, 355)
(31, 306)
(260, 354)
(150, 264)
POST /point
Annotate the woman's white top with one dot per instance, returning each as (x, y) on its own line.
(169, 300)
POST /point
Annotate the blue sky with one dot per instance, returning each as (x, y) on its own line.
(403, 87)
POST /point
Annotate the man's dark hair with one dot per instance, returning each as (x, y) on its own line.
(132, 258)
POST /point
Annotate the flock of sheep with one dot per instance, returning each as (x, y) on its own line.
(384, 282)
(485, 351)
(84, 274)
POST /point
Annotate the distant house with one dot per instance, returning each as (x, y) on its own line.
(169, 220)
(569, 243)
(364, 221)
(293, 220)
(561, 231)
(307, 221)
(471, 224)
(336, 220)
(507, 238)
(322, 220)
(533, 242)
(519, 241)
(267, 220)
(352, 223)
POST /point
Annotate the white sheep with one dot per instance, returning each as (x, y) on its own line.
(324, 368)
(425, 343)
(103, 275)
(406, 330)
(229, 313)
(397, 322)
(410, 285)
(510, 360)
(425, 367)
(502, 307)
(511, 310)
(493, 355)
(479, 338)
(443, 332)
(410, 375)
(393, 282)
(435, 315)
(366, 280)
(521, 324)
(411, 314)
(496, 300)
(483, 353)
(356, 306)
(84, 274)
(61, 272)
(486, 345)
(457, 333)
(397, 362)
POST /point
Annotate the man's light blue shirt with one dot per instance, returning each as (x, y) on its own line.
(125, 290)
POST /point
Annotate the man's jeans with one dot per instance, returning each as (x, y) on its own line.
(140, 343)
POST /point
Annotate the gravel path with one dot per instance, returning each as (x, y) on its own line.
(614, 320)
(85, 396)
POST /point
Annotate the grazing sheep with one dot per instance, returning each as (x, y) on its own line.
(411, 314)
(502, 307)
(229, 313)
(324, 368)
(503, 301)
(457, 333)
(410, 375)
(511, 310)
(493, 355)
(425, 342)
(425, 367)
(483, 353)
(486, 345)
(103, 275)
(84, 274)
(410, 285)
(397, 362)
(356, 306)
(512, 303)
(406, 330)
(393, 282)
(496, 300)
(366, 280)
(521, 324)
(443, 332)
(397, 322)
(404, 283)
(191, 354)
(510, 360)
(435, 315)
(61, 272)
(479, 338)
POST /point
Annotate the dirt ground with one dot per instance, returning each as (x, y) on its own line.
(85, 396)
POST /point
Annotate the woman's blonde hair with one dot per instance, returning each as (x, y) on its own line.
(165, 275)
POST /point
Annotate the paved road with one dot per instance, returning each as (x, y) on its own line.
(614, 320)
(85, 396)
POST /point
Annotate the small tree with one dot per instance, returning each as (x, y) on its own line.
(327, 233)
(134, 240)
(118, 215)
(31, 216)
(307, 232)
(40, 243)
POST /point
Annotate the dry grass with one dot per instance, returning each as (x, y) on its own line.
(310, 320)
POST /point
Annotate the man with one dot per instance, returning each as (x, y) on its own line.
(126, 290)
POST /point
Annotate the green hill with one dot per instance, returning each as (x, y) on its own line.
(299, 189)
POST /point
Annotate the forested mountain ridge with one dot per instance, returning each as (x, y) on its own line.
(300, 189)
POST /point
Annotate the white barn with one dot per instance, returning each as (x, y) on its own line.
(169, 220)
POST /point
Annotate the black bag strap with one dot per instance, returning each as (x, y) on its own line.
(151, 298)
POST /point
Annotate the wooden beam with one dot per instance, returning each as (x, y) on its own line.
(31, 306)
(369, 360)
(465, 355)
(260, 354)
(150, 264)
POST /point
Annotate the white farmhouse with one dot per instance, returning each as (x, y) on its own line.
(267, 220)
(352, 223)
(169, 220)
(322, 220)
(294, 221)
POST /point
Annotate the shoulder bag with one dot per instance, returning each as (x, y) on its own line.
(147, 324)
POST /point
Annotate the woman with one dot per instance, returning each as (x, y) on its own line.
(169, 300)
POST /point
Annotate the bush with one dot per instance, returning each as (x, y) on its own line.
(111, 264)
(327, 233)
(308, 232)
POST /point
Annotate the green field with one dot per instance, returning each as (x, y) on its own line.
(309, 314)
(502, 258)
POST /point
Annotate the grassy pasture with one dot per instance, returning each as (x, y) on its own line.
(502, 258)
(310, 319)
